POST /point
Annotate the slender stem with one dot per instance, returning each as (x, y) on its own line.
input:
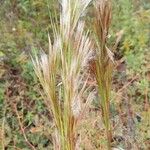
(22, 129)
(108, 127)
(106, 116)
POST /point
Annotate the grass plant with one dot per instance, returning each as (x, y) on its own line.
(59, 71)
(104, 61)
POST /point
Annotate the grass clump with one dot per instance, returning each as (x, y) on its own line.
(59, 71)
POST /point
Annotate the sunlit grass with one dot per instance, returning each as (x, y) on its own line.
(59, 71)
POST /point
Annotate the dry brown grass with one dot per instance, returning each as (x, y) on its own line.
(60, 74)
(104, 61)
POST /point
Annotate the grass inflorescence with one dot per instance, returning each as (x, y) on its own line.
(104, 61)
(59, 71)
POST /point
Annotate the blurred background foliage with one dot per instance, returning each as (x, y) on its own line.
(24, 25)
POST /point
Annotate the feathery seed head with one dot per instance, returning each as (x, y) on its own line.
(76, 107)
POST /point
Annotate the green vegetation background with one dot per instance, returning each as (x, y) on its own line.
(24, 25)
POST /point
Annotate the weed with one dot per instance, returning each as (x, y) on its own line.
(104, 60)
(59, 72)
